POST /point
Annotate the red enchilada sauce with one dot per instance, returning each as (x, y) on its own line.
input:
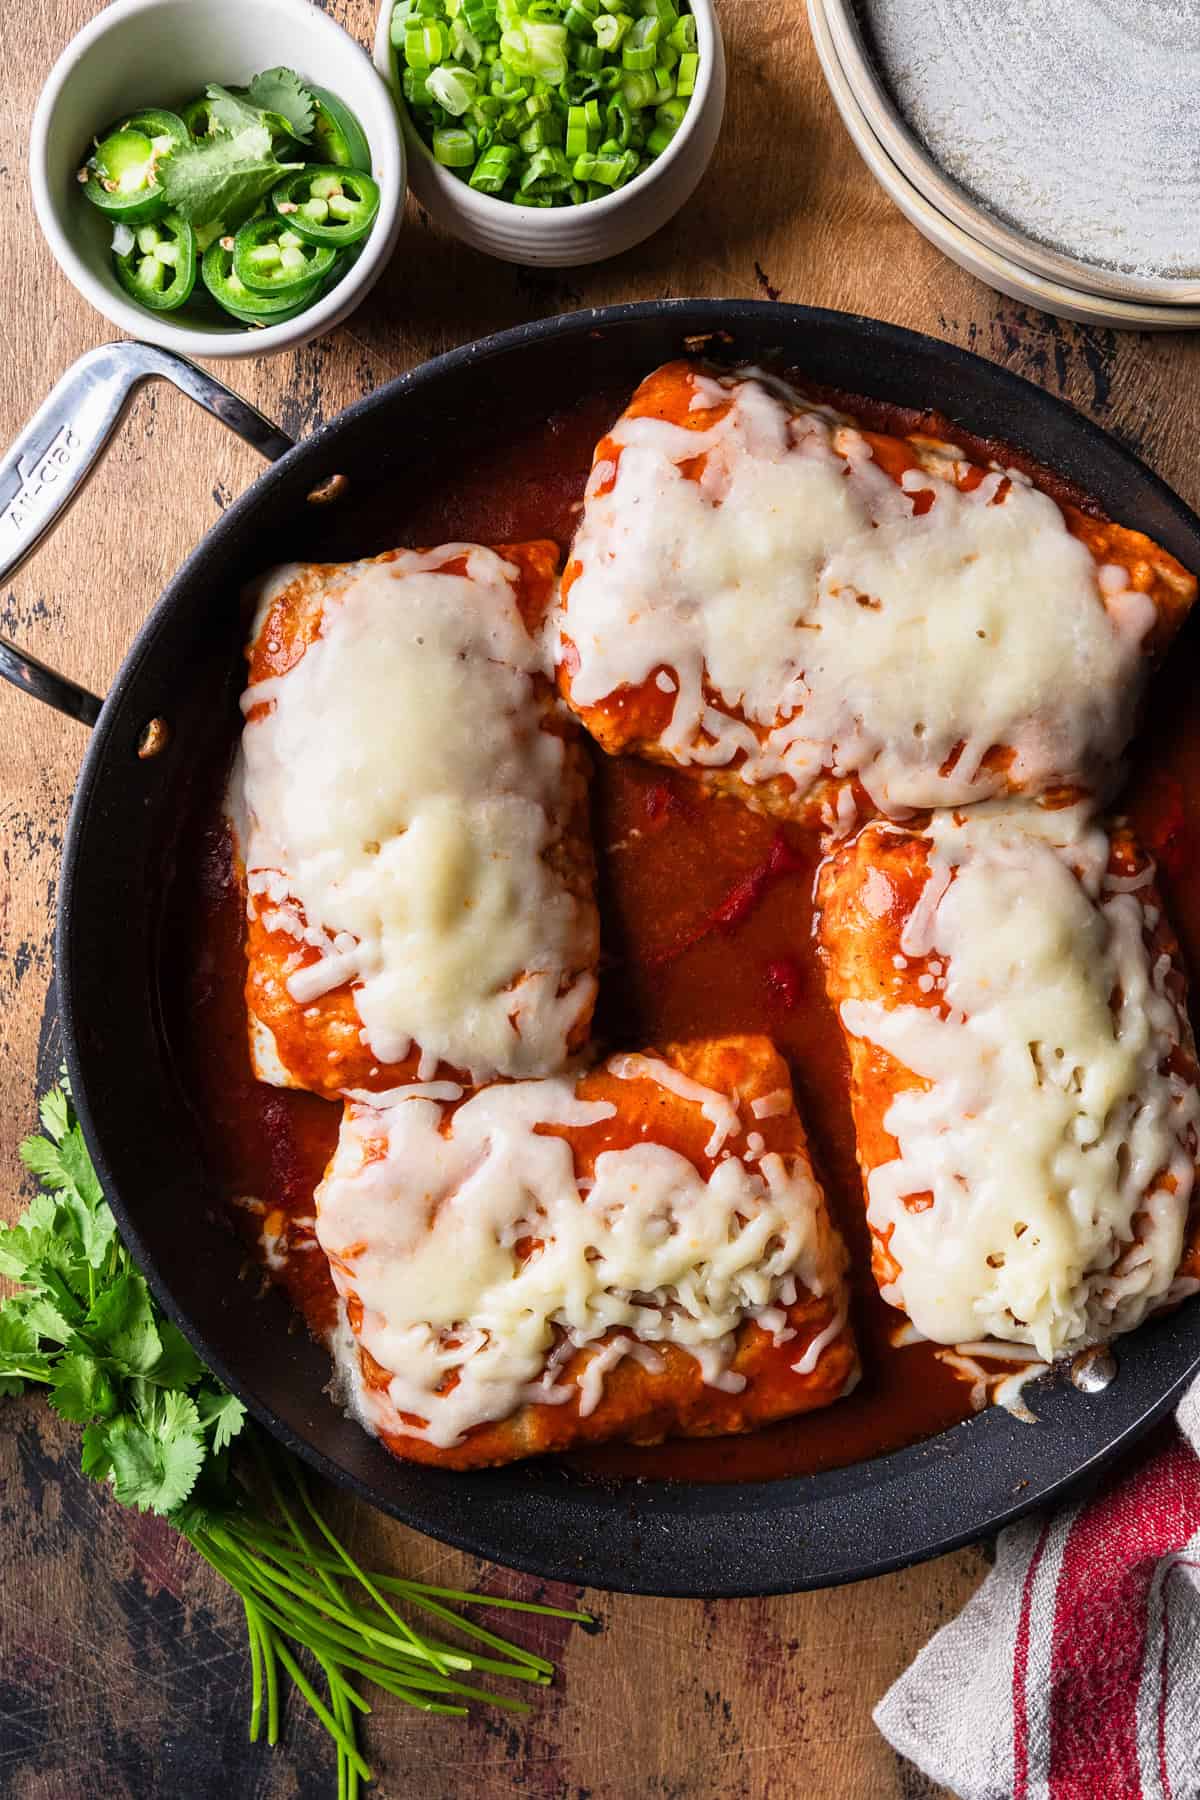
(707, 923)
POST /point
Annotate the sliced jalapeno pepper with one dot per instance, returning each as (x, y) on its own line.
(270, 258)
(337, 136)
(197, 116)
(327, 206)
(120, 177)
(159, 270)
(223, 283)
(158, 124)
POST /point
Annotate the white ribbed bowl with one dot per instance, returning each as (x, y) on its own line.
(561, 237)
(160, 53)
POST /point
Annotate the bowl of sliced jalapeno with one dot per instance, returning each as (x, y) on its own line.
(201, 189)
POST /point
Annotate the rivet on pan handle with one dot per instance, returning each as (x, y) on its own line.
(50, 462)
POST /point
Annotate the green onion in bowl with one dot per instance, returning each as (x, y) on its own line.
(546, 102)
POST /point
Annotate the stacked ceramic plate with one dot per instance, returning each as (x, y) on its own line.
(1051, 147)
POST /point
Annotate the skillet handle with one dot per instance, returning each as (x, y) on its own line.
(50, 462)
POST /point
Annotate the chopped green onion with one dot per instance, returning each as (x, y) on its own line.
(637, 56)
(548, 172)
(664, 85)
(454, 148)
(465, 47)
(639, 88)
(480, 15)
(536, 48)
(618, 120)
(416, 88)
(423, 46)
(610, 28)
(453, 88)
(492, 170)
(638, 52)
(577, 132)
(545, 102)
(536, 136)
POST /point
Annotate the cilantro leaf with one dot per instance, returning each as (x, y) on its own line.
(20, 1358)
(80, 1176)
(44, 1314)
(230, 112)
(82, 1390)
(155, 1456)
(43, 1157)
(122, 1324)
(23, 1249)
(84, 1214)
(72, 1211)
(178, 1366)
(86, 1325)
(281, 91)
(64, 1163)
(94, 1459)
(54, 1110)
(223, 177)
(223, 1413)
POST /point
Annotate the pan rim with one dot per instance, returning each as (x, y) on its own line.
(661, 1503)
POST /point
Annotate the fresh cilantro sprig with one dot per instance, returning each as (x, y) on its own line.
(163, 1432)
(225, 173)
(281, 91)
(223, 176)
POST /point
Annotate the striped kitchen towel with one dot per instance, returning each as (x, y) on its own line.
(1074, 1672)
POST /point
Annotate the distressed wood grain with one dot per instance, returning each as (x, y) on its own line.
(122, 1671)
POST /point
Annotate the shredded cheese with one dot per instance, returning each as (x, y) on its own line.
(1057, 1144)
(396, 797)
(814, 622)
(481, 1261)
(720, 1111)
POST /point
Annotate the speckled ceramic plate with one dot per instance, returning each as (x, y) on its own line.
(970, 252)
(1062, 137)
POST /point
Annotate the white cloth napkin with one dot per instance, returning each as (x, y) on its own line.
(1074, 1672)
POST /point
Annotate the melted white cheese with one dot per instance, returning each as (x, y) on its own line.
(424, 1237)
(720, 1111)
(795, 583)
(1047, 1123)
(396, 799)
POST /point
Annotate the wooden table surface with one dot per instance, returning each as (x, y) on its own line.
(122, 1670)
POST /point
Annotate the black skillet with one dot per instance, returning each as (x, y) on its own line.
(647, 1536)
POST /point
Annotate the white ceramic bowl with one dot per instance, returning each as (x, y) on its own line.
(162, 53)
(561, 237)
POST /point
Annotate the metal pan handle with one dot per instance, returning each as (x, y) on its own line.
(50, 462)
